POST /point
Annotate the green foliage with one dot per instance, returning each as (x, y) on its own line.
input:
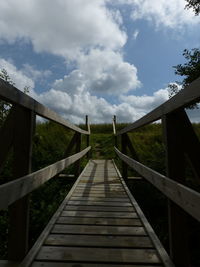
(190, 71)
(50, 143)
(4, 106)
(193, 4)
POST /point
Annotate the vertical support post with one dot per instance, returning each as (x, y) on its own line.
(124, 151)
(178, 239)
(115, 136)
(78, 149)
(87, 136)
(19, 211)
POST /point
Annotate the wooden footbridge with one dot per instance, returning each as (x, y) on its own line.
(99, 223)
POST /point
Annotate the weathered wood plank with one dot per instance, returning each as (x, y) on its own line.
(105, 196)
(99, 241)
(99, 221)
(98, 203)
(98, 208)
(182, 99)
(186, 198)
(122, 199)
(14, 190)
(96, 190)
(83, 264)
(102, 214)
(34, 250)
(15, 96)
(100, 187)
(98, 230)
(160, 249)
(18, 233)
(98, 255)
(175, 166)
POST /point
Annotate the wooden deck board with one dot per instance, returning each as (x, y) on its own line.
(97, 226)
(98, 229)
(99, 221)
(98, 208)
(99, 203)
(99, 241)
(147, 256)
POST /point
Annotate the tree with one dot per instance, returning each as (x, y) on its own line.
(4, 106)
(190, 71)
(194, 4)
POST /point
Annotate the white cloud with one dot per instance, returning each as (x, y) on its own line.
(135, 34)
(17, 76)
(75, 107)
(102, 71)
(61, 27)
(169, 13)
(35, 74)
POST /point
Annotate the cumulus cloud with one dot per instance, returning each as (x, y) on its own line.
(64, 28)
(169, 13)
(75, 107)
(102, 72)
(34, 73)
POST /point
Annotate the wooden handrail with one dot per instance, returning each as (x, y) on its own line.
(12, 95)
(185, 97)
(14, 190)
(186, 198)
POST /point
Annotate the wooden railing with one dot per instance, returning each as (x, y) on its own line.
(17, 132)
(180, 141)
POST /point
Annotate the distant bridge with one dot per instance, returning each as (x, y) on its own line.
(99, 222)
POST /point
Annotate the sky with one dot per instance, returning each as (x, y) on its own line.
(96, 57)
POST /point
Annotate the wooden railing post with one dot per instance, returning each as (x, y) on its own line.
(87, 136)
(77, 149)
(124, 151)
(24, 126)
(114, 130)
(176, 171)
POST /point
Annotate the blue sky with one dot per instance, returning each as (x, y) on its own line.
(96, 57)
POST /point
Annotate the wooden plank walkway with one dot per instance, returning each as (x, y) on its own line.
(98, 224)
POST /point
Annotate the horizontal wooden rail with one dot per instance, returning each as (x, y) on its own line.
(14, 190)
(186, 198)
(12, 95)
(185, 97)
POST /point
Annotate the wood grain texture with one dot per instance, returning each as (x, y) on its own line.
(98, 254)
(96, 229)
(99, 203)
(98, 208)
(101, 231)
(99, 241)
(99, 221)
(12, 191)
(100, 214)
(83, 264)
(186, 198)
